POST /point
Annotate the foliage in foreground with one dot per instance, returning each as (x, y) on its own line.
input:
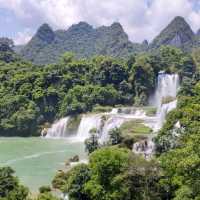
(10, 188)
(112, 173)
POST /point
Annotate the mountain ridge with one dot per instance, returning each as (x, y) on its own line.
(177, 33)
(46, 46)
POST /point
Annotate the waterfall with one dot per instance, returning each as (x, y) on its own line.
(165, 101)
(88, 122)
(114, 111)
(102, 122)
(162, 112)
(167, 87)
(111, 123)
(58, 129)
(166, 91)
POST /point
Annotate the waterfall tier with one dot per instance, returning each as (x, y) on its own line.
(58, 129)
(163, 111)
(88, 122)
(167, 87)
(164, 99)
(102, 123)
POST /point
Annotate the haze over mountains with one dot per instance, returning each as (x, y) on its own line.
(47, 45)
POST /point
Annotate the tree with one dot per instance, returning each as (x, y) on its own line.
(106, 164)
(10, 188)
(74, 186)
(113, 173)
(47, 196)
(142, 79)
(92, 144)
(115, 136)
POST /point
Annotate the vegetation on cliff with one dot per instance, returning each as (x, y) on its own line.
(32, 95)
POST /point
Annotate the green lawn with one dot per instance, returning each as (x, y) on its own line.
(134, 127)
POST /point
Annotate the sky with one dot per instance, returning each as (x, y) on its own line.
(141, 19)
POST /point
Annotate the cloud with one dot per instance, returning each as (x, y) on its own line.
(141, 19)
(23, 37)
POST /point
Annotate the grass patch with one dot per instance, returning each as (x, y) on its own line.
(168, 99)
(134, 127)
(133, 131)
(101, 109)
(150, 111)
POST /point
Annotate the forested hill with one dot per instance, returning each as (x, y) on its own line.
(82, 39)
(48, 45)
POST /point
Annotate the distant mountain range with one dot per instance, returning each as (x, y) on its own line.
(47, 45)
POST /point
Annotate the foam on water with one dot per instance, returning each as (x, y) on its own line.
(37, 155)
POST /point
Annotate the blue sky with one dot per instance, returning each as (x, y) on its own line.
(141, 19)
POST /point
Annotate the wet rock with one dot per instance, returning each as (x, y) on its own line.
(44, 132)
(67, 163)
(74, 159)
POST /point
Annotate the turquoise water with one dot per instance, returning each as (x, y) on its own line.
(36, 160)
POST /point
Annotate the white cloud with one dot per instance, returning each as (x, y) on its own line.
(23, 37)
(139, 19)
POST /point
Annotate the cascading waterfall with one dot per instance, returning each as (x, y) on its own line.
(102, 122)
(167, 88)
(111, 123)
(114, 111)
(88, 122)
(58, 129)
(162, 112)
(165, 101)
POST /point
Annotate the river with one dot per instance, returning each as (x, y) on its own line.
(36, 160)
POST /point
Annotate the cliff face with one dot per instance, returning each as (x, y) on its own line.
(177, 34)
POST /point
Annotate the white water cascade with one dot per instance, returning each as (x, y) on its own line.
(163, 111)
(167, 88)
(114, 121)
(58, 129)
(88, 122)
(102, 122)
(165, 100)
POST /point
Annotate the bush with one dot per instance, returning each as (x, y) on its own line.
(115, 136)
(92, 144)
(10, 188)
(44, 189)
